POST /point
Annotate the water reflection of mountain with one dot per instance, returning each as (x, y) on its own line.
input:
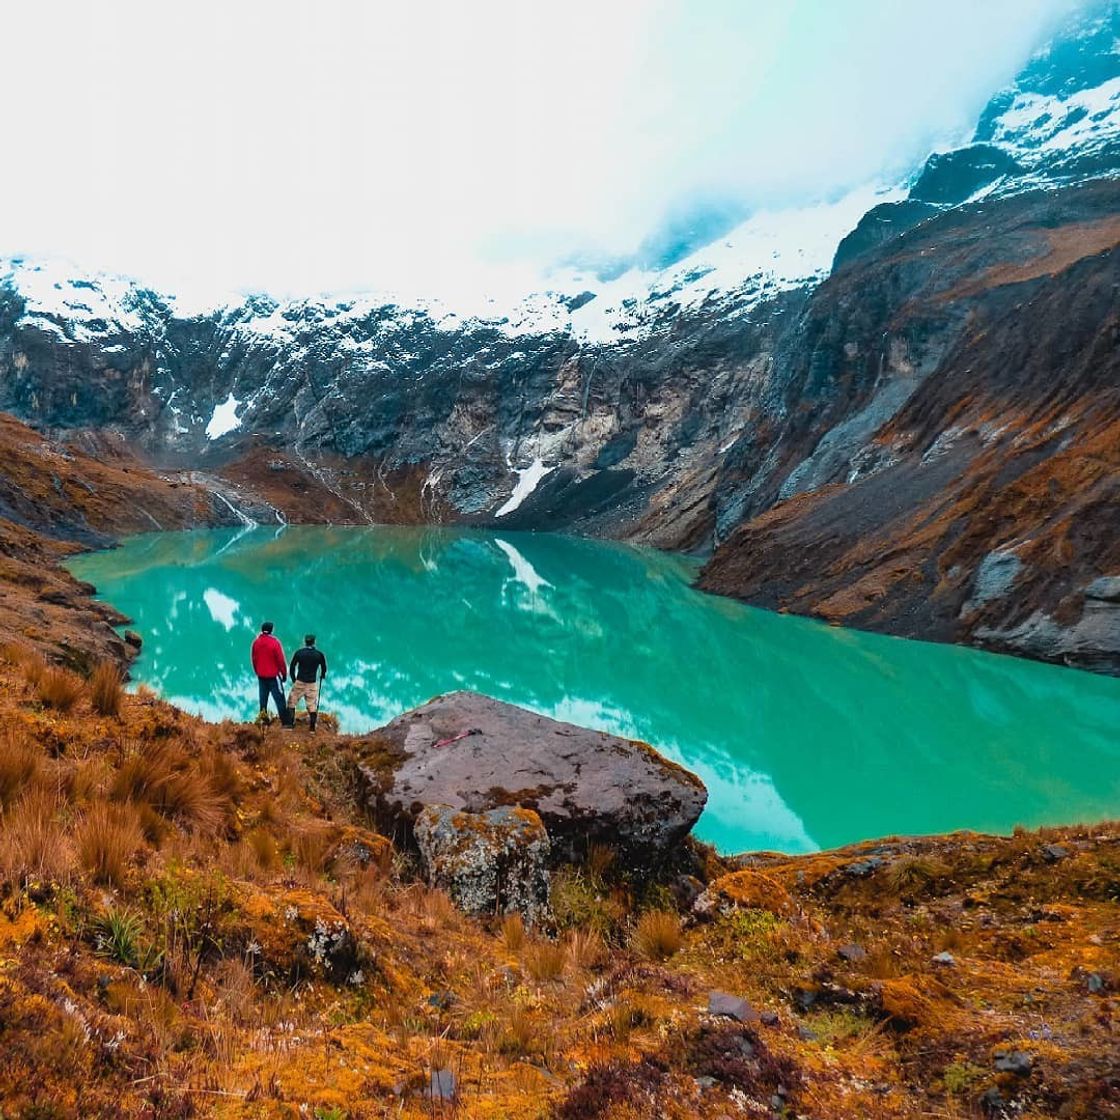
(805, 734)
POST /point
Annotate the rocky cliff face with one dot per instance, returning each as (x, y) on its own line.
(892, 410)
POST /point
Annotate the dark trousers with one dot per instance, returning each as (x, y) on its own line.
(270, 686)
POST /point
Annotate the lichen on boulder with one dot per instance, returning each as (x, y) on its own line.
(494, 862)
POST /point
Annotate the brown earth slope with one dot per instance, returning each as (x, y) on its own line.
(983, 505)
(54, 499)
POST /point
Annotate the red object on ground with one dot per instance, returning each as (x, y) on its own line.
(268, 657)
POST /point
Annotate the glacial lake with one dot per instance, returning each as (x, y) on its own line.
(807, 736)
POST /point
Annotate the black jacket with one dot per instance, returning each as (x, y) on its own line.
(306, 664)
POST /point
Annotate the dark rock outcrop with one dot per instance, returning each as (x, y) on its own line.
(472, 754)
(962, 482)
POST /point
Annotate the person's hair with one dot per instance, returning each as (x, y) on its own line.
(309, 639)
(266, 627)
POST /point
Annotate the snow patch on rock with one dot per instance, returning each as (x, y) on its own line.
(528, 478)
(225, 419)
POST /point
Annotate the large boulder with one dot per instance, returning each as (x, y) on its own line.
(471, 753)
(489, 863)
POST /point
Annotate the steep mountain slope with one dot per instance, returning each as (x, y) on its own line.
(949, 444)
(970, 492)
(964, 316)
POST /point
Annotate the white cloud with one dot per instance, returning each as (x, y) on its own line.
(436, 144)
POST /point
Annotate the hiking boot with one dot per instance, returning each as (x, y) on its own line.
(314, 717)
(289, 718)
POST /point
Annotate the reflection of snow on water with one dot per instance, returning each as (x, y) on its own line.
(222, 608)
(523, 571)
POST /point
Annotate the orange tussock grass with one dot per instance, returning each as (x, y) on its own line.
(106, 689)
(170, 781)
(264, 848)
(20, 765)
(59, 689)
(108, 837)
(586, 948)
(513, 932)
(545, 960)
(658, 935)
(311, 841)
(33, 844)
(34, 667)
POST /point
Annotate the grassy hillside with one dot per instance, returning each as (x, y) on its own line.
(196, 920)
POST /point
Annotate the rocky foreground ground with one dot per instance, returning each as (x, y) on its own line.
(199, 920)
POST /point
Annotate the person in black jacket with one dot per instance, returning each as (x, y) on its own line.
(308, 669)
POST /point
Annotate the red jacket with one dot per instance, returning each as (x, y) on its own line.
(268, 657)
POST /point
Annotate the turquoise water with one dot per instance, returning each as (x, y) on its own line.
(807, 736)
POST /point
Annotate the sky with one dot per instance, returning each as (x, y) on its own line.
(437, 146)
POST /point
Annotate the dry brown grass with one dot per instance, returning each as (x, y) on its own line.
(223, 773)
(914, 873)
(600, 858)
(266, 852)
(586, 948)
(13, 653)
(106, 690)
(33, 667)
(33, 843)
(518, 1038)
(59, 689)
(545, 960)
(108, 836)
(311, 841)
(512, 932)
(658, 935)
(21, 764)
(237, 988)
(171, 782)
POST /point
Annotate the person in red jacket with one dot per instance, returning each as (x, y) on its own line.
(271, 668)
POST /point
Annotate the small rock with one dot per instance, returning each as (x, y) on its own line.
(769, 1018)
(1013, 1061)
(443, 1085)
(705, 1082)
(1095, 983)
(441, 1000)
(945, 959)
(991, 1101)
(133, 639)
(864, 867)
(852, 953)
(804, 998)
(1106, 589)
(732, 1007)
(1052, 853)
(686, 890)
(806, 1034)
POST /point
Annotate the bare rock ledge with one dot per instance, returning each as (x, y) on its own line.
(471, 753)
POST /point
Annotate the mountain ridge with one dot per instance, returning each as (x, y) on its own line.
(667, 408)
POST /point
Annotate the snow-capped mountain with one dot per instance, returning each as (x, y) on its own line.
(1061, 117)
(662, 404)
